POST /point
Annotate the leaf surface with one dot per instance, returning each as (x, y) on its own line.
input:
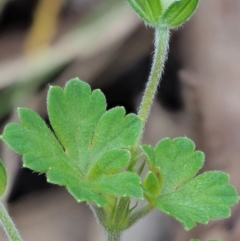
(179, 12)
(86, 147)
(151, 184)
(149, 10)
(185, 196)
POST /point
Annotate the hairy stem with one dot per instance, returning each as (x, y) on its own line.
(8, 225)
(138, 214)
(160, 54)
(113, 236)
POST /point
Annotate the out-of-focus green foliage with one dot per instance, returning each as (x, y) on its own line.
(3, 179)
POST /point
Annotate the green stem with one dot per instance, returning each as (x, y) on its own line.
(8, 225)
(113, 236)
(138, 214)
(160, 54)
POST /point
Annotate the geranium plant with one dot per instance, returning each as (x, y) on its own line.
(98, 154)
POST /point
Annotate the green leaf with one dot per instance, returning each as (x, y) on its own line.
(120, 159)
(149, 10)
(86, 148)
(124, 183)
(3, 179)
(151, 157)
(152, 184)
(188, 198)
(179, 12)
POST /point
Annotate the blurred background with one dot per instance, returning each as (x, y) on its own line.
(104, 43)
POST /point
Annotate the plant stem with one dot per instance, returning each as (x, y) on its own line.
(8, 225)
(160, 54)
(113, 236)
(138, 214)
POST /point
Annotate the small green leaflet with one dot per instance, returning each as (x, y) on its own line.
(185, 196)
(151, 186)
(88, 148)
(149, 10)
(3, 179)
(179, 12)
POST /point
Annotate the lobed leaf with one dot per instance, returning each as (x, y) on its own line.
(188, 198)
(86, 147)
(3, 179)
(178, 158)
